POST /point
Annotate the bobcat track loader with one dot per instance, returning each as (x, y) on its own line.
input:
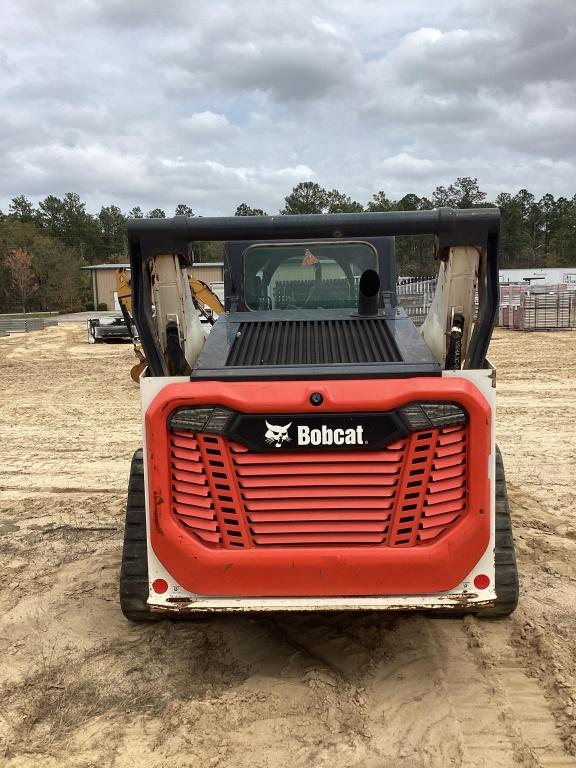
(317, 451)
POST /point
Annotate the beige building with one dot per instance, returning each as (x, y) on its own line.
(104, 280)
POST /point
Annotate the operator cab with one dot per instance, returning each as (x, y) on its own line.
(299, 309)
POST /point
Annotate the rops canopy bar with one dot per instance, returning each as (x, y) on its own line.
(474, 226)
(452, 227)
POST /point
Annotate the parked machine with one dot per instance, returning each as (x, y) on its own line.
(99, 330)
(317, 451)
(113, 328)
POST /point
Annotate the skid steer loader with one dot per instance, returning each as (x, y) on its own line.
(317, 451)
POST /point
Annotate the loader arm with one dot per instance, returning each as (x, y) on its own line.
(124, 288)
(203, 294)
(448, 325)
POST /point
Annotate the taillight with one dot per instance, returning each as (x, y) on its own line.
(214, 420)
(425, 415)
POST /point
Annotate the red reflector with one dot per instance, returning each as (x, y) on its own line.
(160, 586)
(481, 581)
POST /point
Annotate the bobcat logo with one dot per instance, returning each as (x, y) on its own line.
(277, 435)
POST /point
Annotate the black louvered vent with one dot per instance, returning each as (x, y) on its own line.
(313, 342)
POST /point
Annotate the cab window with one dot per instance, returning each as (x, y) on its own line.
(305, 275)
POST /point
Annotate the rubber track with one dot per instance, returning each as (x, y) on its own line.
(134, 569)
(505, 554)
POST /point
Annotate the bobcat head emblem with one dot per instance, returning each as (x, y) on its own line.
(277, 435)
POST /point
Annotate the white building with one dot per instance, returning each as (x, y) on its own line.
(545, 276)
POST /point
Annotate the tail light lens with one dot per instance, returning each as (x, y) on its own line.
(426, 415)
(214, 420)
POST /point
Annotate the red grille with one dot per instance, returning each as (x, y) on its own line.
(405, 495)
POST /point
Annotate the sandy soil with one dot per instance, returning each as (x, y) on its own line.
(82, 687)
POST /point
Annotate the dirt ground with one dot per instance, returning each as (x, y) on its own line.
(82, 687)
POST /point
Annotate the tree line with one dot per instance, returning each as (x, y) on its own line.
(43, 247)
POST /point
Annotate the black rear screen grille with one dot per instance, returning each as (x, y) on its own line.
(313, 342)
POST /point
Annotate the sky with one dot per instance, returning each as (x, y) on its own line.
(216, 102)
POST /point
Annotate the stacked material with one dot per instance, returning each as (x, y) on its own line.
(547, 311)
(536, 307)
(510, 295)
(509, 316)
(12, 326)
(23, 325)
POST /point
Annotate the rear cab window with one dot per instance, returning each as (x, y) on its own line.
(311, 275)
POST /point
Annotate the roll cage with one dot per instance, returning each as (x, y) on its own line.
(477, 227)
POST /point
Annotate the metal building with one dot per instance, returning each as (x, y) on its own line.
(104, 280)
(536, 275)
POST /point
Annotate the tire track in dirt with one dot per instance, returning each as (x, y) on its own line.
(429, 701)
(454, 693)
(533, 647)
(533, 729)
(542, 631)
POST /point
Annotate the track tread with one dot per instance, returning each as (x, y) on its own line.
(134, 569)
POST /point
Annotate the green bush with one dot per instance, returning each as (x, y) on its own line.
(89, 306)
(102, 307)
(71, 310)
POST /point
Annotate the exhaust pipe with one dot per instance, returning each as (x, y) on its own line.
(368, 293)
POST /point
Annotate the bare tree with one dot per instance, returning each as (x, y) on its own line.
(23, 278)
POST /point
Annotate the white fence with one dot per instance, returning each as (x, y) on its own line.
(415, 295)
(522, 307)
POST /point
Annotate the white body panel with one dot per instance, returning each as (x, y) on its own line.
(455, 292)
(465, 594)
(172, 299)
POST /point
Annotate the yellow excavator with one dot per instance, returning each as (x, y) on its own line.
(205, 300)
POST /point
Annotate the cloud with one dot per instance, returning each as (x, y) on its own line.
(206, 126)
(405, 163)
(217, 103)
(270, 48)
(462, 59)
